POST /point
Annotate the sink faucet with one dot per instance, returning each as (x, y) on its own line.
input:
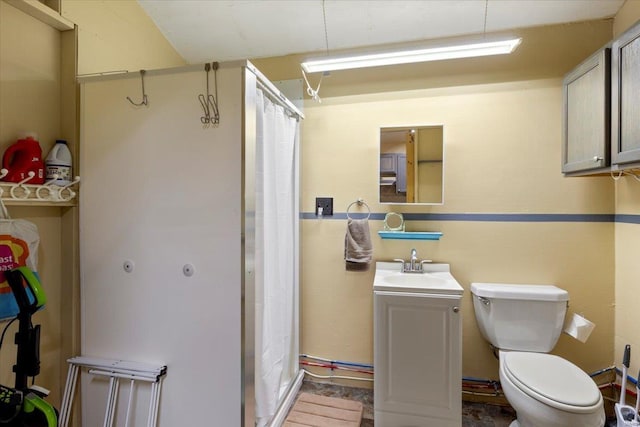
(414, 258)
(412, 265)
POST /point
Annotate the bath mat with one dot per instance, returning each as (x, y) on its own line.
(311, 410)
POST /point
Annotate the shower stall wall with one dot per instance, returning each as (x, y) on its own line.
(189, 243)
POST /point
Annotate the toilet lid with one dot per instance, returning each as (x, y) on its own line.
(551, 377)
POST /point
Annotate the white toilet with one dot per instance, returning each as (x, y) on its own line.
(524, 322)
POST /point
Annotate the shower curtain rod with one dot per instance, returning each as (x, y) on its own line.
(274, 93)
(276, 99)
(261, 79)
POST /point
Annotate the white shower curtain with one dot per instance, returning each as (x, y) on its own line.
(275, 257)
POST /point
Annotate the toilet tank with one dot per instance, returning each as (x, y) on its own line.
(520, 317)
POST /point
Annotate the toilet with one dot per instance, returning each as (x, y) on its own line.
(524, 322)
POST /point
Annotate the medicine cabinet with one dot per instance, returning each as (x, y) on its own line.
(411, 165)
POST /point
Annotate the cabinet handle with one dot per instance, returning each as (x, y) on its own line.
(597, 158)
(456, 309)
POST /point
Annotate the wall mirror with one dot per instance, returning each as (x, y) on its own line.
(411, 165)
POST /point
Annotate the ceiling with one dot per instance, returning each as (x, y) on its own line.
(223, 30)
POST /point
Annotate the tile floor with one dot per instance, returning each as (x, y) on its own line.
(473, 414)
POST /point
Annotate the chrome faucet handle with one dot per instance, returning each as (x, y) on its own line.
(401, 261)
(425, 261)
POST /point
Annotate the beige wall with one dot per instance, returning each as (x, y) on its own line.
(113, 35)
(627, 239)
(502, 155)
(116, 35)
(502, 129)
(30, 102)
(545, 52)
(628, 15)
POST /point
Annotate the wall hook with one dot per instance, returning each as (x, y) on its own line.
(25, 189)
(52, 181)
(209, 102)
(70, 193)
(144, 95)
(50, 189)
(29, 177)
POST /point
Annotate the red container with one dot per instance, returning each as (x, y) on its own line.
(21, 158)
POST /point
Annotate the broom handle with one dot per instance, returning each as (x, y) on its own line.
(625, 365)
(638, 397)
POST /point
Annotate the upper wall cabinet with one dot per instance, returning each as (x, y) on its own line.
(586, 115)
(625, 97)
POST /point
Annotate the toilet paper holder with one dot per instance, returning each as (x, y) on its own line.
(579, 327)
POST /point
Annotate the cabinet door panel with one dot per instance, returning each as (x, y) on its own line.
(626, 97)
(586, 115)
(417, 357)
(387, 162)
(401, 176)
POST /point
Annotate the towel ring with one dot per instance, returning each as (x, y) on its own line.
(359, 202)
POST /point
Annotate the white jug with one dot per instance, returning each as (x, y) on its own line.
(58, 164)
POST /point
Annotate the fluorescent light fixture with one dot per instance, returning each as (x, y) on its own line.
(411, 56)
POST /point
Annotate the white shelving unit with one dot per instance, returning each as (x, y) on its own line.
(23, 194)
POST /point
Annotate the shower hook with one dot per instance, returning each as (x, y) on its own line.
(210, 102)
(313, 93)
(144, 95)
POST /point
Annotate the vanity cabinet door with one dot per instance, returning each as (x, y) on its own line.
(625, 105)
(586, 115)
(417, 359)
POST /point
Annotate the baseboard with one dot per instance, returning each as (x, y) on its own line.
(498, 399)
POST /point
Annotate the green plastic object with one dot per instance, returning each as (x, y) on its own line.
(34, 284)
(33, 402)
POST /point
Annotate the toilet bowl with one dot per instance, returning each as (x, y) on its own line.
(549, 391)
(524, 322)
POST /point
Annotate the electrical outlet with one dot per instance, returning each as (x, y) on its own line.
(326, 203)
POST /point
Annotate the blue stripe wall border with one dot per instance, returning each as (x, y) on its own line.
(628, 219)
(487, 217)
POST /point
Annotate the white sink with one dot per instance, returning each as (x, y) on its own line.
(414, 279)
(435, 278)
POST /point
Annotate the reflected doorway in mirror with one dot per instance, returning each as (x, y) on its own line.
(411, 165)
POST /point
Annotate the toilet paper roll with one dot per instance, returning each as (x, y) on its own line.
(579, 328)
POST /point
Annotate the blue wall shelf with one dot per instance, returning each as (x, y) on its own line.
(410, 235)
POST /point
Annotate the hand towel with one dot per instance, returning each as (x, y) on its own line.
(357, 245)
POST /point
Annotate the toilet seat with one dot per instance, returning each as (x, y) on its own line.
(552, 380)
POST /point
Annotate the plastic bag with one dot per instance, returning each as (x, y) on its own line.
(19, 240)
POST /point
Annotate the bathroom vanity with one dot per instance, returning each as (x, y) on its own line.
(417, 346)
